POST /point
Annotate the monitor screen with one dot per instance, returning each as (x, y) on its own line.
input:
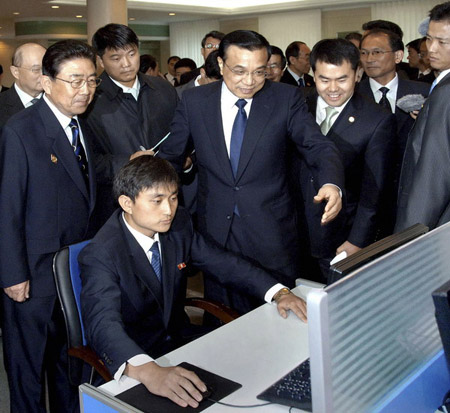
(372, 251)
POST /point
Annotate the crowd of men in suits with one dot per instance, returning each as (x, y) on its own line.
(278, 172)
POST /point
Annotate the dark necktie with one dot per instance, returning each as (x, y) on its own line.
(384, 102)
(34, 100)
(78, 150)
(156, 260)
(301, 82)
(237, 135)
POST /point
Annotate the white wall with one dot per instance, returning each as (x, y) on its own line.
(186, 38)
(406, 13)
(281, 29)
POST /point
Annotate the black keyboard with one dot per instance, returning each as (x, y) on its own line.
(294, 389)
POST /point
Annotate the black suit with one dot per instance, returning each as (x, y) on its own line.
(429, 78)
(121, 125)
(424, 191)
(260, 190)
(10, 104)
(365, 135)
(4, 89)
(44, 205)
(289, 79)
(126, 310)
(404, 125)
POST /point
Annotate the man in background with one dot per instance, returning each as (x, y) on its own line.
(130, 112)
(276, 64)
(296, 73)
(27, 89)
(2, 88)
(424, 195)
(170, 75)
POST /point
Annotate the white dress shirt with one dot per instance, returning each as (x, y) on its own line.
(391, 95)
(25, 98)
(321, 113)
(134, 90)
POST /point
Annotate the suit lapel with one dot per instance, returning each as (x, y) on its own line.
(212, 117)
(347, 117)
(260, 114)
(61, 147)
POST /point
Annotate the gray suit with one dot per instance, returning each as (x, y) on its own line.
(424, 190)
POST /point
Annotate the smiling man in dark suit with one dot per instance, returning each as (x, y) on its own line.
(47, 193)
(134, 281)
(424, 192)
(27, 70)
(240, 129)
(365, 135)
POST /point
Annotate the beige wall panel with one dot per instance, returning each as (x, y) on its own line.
(347, 20)
(227, 26)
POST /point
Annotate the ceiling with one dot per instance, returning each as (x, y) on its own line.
(155, 11)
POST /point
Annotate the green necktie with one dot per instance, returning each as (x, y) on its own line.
(326, 125)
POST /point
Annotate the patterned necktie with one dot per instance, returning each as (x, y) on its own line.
(156, 260)
(237, 135)
(384, 102)
(79, 150)
(326, 125)
(301, 82)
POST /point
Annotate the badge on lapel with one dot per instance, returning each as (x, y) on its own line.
(351, 119)
(53, 158)
(181, 266)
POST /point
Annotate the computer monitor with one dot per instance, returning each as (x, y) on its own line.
(372, 251)
(370, 331)
(441, 298)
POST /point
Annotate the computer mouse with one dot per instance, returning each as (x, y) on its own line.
(207, 393)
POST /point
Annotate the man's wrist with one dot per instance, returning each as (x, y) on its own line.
(280, 293)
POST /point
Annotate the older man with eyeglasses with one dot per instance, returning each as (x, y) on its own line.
(47, 194)
(241, 129)
(27, 89)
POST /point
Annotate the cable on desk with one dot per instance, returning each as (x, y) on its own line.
(249, 406)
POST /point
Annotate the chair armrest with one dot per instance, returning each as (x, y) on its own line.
(219, 310)
(86, 354)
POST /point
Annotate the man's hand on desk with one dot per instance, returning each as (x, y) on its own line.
(177, 384)
(289, 301)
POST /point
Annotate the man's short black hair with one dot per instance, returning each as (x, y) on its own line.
(1, 69)
(276, 50)
(293, 50)
(353, 36)
(384, 24)
(142, 173)
(114, 36)
(173, 57)
(63, 51)
(415, 44)
(334, 52)
(214, 34)
(395, 42)
(147, 61)
(185, 62)
(440, 12)
(212, 68)
(244, 39)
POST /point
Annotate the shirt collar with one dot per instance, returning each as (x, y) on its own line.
(228, 98)
(321, 104)
(294, 75)
(62, 119)
(375, 86)
(134, 90)
(143, 240)
(442, 75)
(25, 98)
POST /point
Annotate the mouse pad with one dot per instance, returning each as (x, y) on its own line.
(142, 399)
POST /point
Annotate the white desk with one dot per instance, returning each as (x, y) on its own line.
(255, 350)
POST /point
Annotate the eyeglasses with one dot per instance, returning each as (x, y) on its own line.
(274, 66)
(375, 53)
(37, 70)
(423, 54)
(211, 46)
(260, 73)
(79, 83)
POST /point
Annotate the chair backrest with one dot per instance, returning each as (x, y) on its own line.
(68, 286)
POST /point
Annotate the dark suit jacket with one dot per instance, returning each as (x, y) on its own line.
(4, 89)
(424, 191)
(121, 125)
(10, 104)
(44, 201)
(260, 189)
(364, 134)
(429, 78)
(288, 78)
(126, 310)
(187, 77)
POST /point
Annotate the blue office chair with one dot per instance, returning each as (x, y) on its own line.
(68, 286)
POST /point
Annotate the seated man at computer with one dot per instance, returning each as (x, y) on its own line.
(134, 286)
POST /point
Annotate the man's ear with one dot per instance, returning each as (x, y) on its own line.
(126, 203)
(398, 56)
(100, 62)
(47, 84)
(220, 62)
(14, 71)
